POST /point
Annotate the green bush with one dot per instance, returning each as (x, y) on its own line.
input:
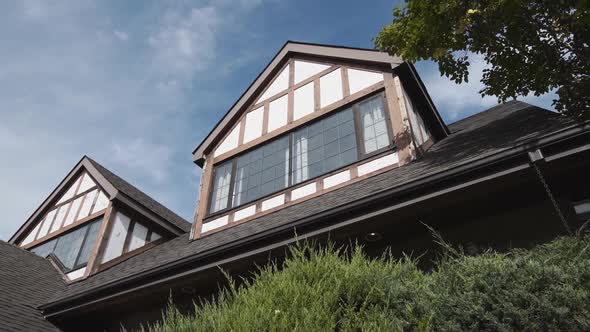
(326, 289)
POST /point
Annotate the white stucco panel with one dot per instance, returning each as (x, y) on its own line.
(215, 223)
(304, 69)
(253, 128)
(229, 143)
(273, 202)
(336, 179)
(377, 164)
(330, 88)
(277, 113)
(245, 213)
(304, 102)
(281, 83)
(303, 191)
(360, 79)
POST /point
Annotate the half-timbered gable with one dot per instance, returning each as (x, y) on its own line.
(316, 119)
(93, 220)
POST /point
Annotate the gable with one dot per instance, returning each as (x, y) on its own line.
(319, 56)
(94, 220)
(303, 89)
(80, 202)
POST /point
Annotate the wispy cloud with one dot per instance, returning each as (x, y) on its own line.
(186, 43)
(121, 35)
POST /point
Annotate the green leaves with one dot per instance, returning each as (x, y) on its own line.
(531, 47)
(327, 289)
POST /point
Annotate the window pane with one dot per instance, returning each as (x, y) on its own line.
(90, 241)
(262, 171)
(116, 237)
(138, 236)
(221, 182)
(324, 146)
(374, 125)
(68, 247)
(45, 249)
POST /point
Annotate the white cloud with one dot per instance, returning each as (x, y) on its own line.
(185, 44)
(121, 35)
(139, 155)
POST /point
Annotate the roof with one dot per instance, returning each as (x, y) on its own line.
(112, 185)
(141, 198)
(288, 49)
(483, 135)
(26, 281)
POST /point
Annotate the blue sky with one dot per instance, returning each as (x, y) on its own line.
(137, 84)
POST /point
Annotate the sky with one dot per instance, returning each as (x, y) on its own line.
(136, 85)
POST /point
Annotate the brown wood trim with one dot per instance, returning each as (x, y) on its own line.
(50, 223)
(38, 229)
(242, 130)
(401, 132)
(125, 256)
(80, 207)
(78, 195)
(345, 82)
(95, 200)
(206, 179)
(128, 236)
(318, 113)
(294, 87)
(291, 73)
(426, 146)
(264, 103)
(101, 240)
(377, 60)
(66, 215)
(290, 106)
(316, 95)
(271, 83)
(63, 229)
(320, 191)
(265, 115)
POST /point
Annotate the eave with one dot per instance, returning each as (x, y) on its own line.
(471, 172)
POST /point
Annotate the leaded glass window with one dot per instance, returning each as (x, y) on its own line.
(72, 249)
(374, 125)
(317, 148)
(221, 186)
(324, 146)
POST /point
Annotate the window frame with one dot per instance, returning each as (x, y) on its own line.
(361, 154)
(77, 265)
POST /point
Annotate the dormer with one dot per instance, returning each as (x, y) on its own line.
(316, 119)
(94, 220)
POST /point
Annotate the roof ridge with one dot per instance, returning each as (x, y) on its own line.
(491, 109)
(110, 174)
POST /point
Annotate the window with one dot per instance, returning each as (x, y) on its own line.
(126, 235)
(261, 171)
(324, 146)
(73, 248)
(312, 150)
(221, 183)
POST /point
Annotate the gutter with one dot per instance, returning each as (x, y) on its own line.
(497, 159)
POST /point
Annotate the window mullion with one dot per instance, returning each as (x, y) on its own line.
(232, 182)
(82, 244)
(290, 160)
(360, 143)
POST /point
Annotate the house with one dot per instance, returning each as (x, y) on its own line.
(327, 143)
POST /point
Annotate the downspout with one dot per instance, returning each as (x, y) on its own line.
(536, 157)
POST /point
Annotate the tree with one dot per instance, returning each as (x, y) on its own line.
(530, 46)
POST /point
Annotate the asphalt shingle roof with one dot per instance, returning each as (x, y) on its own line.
(26, 281)
(142, 198)
(483, 134)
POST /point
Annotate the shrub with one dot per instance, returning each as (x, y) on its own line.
(326, 289)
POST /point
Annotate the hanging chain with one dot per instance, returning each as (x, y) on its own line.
(552, 198)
